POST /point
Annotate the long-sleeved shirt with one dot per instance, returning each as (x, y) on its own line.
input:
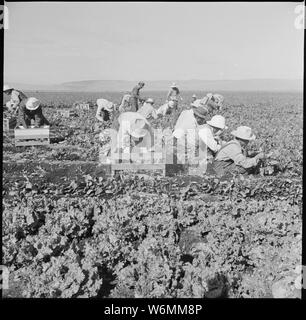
(135, 92)
(206, 135)
(196, 135)
(163, 109)
(232, 151)
(124, 106)
(148, 111)
(17, 96)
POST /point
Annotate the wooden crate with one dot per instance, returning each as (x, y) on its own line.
(83, 106)
(9, 123)
(6, 126)
(66, 113)
(32, 137)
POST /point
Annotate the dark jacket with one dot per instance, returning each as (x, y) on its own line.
(25, 116)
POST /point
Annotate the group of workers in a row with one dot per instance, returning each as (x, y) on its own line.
(137, 111)
(225, 156)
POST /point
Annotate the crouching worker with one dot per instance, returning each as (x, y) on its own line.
(104, 110)
(166, 108)
(31, 111)
(147, 109)
(130, 135)
(231, 157)
(135, 136)
(186, 132)
(17, 97)
(209, 134)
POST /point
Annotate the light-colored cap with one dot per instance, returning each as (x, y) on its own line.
(7, 87)
(244, 133)
(217, 121)
(173, 85)
(32, 103)
(194, 96)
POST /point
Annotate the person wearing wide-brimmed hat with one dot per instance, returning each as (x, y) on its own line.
(174, 94)
(105, 110)
(147, 109)
(186, 130)
(16, 96)
(193, 98)
(214, 101)
(166, 108)
(210, 133)
(125, 104)
(31, 111)
(135, 97)
(231, 158)
(129, 132)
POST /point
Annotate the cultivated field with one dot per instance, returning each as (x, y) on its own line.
(69, 230)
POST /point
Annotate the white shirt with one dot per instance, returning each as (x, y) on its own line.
(206, 135)
(125, 120)
(163, 109)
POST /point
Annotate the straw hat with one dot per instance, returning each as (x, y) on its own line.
(217, 121)
(7, 87)
(150, 100)
(105, 104)
(32, 103)
(137, 130)
(200, 112)
(244, 133)
(194, 96)
(173, 85)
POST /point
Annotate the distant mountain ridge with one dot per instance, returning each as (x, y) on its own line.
(187, 85)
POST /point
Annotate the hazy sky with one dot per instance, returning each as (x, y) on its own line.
(56, 42)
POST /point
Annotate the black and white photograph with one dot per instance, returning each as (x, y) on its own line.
(152, 150)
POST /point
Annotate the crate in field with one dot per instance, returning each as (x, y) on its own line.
(66, 113)
(32, 137)
(6, 126)
(148, 163)
(9, 123)
(82, 106)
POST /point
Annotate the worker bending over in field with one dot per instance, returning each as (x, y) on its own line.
(166, 108)
(135, 98)
(31, 111)
(135, 136)
(186, 131)
(231, 157)
(174, 94)
(16, 98)
(209, 134)
(193, 98)
(125, 103)
(147, 109)
(105, 110)
(214, 101)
